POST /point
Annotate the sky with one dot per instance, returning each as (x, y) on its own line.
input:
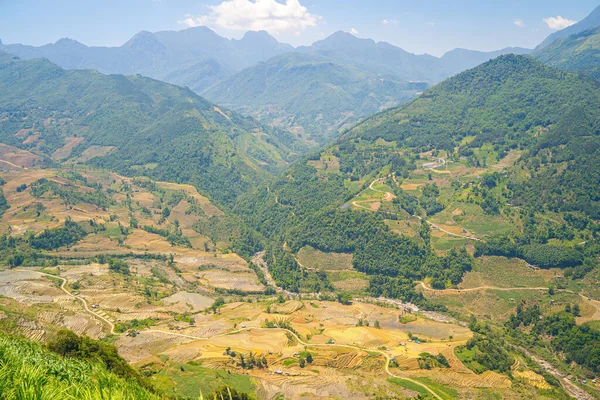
(418, 26)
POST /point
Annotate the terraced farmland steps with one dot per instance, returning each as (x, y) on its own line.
(101, 316)
(389, 196)
(313, 345)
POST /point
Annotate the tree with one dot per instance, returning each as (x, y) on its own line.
(118, 265)
(344, 298)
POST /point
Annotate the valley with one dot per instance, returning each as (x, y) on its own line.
(339, 220)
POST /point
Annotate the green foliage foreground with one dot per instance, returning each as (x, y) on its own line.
(29, 371)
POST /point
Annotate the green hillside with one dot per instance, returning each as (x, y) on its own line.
(578, 53)
(310, 92)
(512, 102)
(136, 126)
(512, 114)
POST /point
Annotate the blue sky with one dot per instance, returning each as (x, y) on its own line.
(424, 26)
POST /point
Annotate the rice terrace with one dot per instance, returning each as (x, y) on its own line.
(257, 201)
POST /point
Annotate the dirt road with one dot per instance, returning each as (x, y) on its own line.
(309, 345)
(389, 196)
(82, 301)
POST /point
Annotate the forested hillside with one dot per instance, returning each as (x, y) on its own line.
(509, 106)
(579, 52)
(136, 126)
(310, 93)
(512, 102)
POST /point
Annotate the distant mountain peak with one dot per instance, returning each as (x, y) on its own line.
(67, 42)
(258, 34)
(144, 40)
(341, 39)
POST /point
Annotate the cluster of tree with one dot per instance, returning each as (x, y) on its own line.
(541, 255)
(173, 234)
(400, 288)
(429, 361)
(259, 273)
(288, 274)
(51, 239)
(119, 266)
(251, 361)
(230, 228)
(69, 193)
(406, 201)
(578, 343)
(491, 352)
(428, 199)
(3, 203)
(69, 344)
(358, 160)
(334, 230)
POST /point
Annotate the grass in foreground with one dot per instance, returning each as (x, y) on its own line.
(29, 371)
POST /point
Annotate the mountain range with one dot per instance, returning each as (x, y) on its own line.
(200, 59)
(195, 57)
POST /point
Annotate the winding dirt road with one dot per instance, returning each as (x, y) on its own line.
(81, 300)
(389, 196)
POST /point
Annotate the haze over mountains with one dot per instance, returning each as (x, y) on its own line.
(199, 58)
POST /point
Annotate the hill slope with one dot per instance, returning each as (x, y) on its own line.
(310, 92)
(589, 22)
(499, 101)
(134, 125)
(510, 102)
(429, 159)
(578, 53)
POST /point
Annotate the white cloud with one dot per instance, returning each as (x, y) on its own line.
(353, 31)
(519, 22)
(389, 21)
(429, 23)
(557, 23)
(268, 15)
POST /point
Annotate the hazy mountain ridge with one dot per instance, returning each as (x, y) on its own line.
(352, 79)
(134, 125)
(169, 55)
(578, 53)
(172, 56)
(310, 93)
